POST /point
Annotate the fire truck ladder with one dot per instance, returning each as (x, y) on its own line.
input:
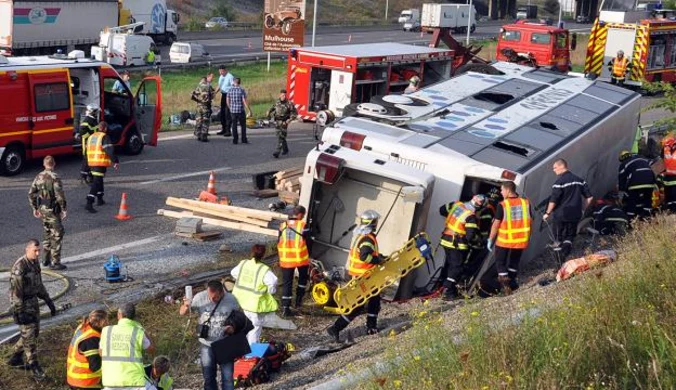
(462, 54)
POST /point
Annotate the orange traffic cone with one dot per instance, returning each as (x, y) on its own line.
(122, 214)
(211, 187)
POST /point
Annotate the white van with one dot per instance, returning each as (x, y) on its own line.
(124, 49)
(184, 52)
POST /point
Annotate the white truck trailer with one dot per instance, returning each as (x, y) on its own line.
(454, 16)
(160, 23)
(405, 156)
(42, 27)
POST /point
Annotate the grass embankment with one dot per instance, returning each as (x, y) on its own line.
(612, 328)
(262, 87)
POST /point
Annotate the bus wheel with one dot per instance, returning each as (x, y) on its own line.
(13, 160)
(134, 144)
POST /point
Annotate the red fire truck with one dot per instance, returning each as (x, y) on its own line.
(331, 77)
(45, 97)
(536, 44)
(647, 38)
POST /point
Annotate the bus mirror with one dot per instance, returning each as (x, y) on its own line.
(573, 41)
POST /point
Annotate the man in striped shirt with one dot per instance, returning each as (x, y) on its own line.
(570, 197)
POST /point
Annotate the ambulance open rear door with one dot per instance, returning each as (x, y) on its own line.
(341, 91)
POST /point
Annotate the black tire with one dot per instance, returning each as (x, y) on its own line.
(13, 160)
(134, 144)
(477, 68)
(269, 21)
(169, 39)
(473, 29)
(463, 30)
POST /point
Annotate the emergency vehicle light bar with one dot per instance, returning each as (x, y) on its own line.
(328, 169)
(508, 175)
(352, 140)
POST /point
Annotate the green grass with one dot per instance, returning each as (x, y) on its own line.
(261, 86)
(611, 328)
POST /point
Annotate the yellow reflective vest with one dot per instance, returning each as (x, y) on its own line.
(251, 293)
(96, 154)
(122, 355)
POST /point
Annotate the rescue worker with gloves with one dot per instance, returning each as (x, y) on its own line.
(364, 255)
(88, 126)
(637, 179)
(100, 156)
(667, 179)
(292, 247)
(25, 288)
(254, 285)
(510, 235)
(121, 348)
(461, 232)
(619, 67)
(83, 366)
(283, 112)
(48, 202)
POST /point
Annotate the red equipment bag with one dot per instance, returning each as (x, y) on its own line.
(252, 370)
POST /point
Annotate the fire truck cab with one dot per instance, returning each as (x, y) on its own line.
(46, 97)
(331, 77)
(536, 44)
(648, 39)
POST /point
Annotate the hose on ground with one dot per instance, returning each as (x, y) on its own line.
(5, 316)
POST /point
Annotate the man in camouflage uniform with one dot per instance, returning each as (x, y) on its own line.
(203, 96)
(283, 112)
(48, 202)
(88, 126)
(25, 289)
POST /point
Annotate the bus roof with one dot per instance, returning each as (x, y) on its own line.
(373, 50)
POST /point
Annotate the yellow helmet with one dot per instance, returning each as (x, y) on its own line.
(625, 154)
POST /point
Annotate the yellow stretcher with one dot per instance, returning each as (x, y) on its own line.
(358, 291)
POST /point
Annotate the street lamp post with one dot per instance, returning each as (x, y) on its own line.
(314, 23)
(560, 14)
(387, 7)
(469, 23)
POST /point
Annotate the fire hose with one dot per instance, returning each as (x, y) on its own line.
(6, 316)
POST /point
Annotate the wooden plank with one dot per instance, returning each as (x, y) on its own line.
(289, 197)
(217, 222)
(267, 193)
(207, 236)
(241, 211)
(199, 208)
(289, 172)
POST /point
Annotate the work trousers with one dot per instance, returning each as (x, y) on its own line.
(617, 80)
(85, 173)
(507, 262)
(53, 235)
(670, 194)
(28, 341)
(202, 121)
(639, 203)
(96, 186)
(225, 115)
(454, 269)
(287, 285)
(281, 132)
(564, 233)
(372, 310)
(238, 118)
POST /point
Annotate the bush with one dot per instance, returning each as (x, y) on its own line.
(225, 10)
(193, 24)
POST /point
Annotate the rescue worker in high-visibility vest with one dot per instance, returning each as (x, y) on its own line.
(100, 156)
(461, 232)
(150, 55)
(158, 373)
(510, 234)
(121, 350)
(667, 179)
(364, 255)
(637, 179)
(254, 285)
(608, 216)
(293, 254)
(88, 126)
(83, 367)
(619, 67)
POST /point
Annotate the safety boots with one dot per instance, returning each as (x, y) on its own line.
(288, 312)
(90, 207)
(100, 202)
(16, 360)
(38, 373)
(334, 330)
(505, 283)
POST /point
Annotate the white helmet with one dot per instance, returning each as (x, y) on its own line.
(93, 107)
(620, 52)
(369, 217)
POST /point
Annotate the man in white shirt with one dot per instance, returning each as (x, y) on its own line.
(224, 84)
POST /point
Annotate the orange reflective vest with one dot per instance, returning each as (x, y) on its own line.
(291, 247)
(78, 373)
(456, 225)
(356, 266)
(514, 231)
(96, 155)
(669, 161)
(620, 66)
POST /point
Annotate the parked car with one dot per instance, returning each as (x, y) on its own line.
(217, 21)
(582, 19)
(184, 52)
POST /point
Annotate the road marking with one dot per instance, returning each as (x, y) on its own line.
(115, 248)
(162, 160)
(171, 178)
(177, 137)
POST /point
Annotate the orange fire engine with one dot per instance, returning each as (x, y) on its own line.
(45, 97)
(536, 44)
(648, 39)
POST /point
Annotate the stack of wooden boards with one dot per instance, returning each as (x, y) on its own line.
(287, 184)
(231, 217)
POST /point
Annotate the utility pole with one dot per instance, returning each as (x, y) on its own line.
(560, 13)
(387, 7)
(469, 23)
(314, 23)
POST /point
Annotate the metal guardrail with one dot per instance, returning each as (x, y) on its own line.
(238, 26)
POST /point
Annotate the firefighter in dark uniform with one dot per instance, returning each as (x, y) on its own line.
(283, 112)
(25, 289)
(88, 126)
(292, 246)
(608, 216)
(619, 67)
(100, 156)
(364, 256)
(637, 179)
(461, 234)
(569, 191)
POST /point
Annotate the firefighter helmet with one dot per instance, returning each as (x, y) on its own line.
(625, 154)
(620, 52)
(369, 217)
(493, 195)
(478, 201)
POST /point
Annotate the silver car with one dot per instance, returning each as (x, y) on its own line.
(217, 21)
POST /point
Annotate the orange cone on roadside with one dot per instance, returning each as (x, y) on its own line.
(211, 187)
(122, 214)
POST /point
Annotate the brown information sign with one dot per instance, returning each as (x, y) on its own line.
(283, 25)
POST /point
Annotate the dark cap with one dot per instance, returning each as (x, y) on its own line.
(282, 91)
(298, 210)
(222, 67)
